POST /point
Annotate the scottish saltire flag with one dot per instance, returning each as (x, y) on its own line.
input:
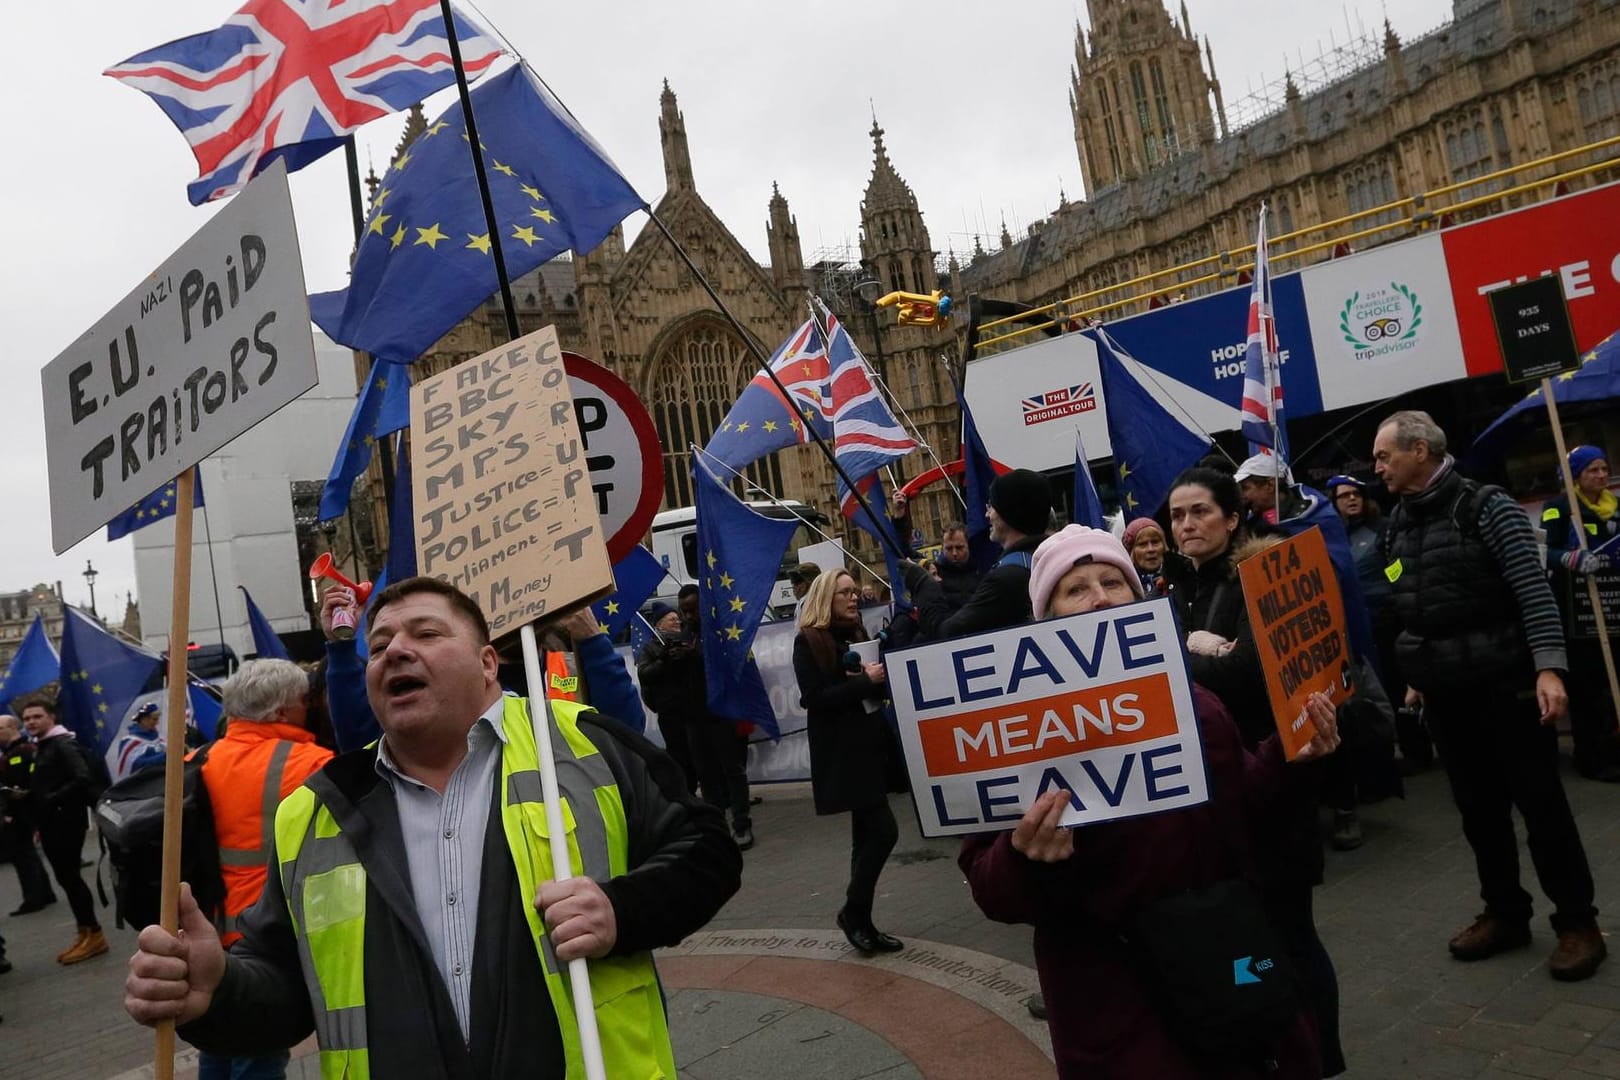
(1262, 407)
(636, 576)
(383, 407)
(33, 665)
(291, 79)
(739, 555)
(978, 473)
(265, 640)
(763, 421)
(160, 504)
(1151, 447)
(100, 677)
(1088, 508)
(424, 261)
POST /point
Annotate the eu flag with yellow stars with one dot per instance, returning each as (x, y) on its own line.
(100, 677)
(1151, 447)
(159, 504)
(424, 262)
(739, 556)
(383, 407)
(637, 575)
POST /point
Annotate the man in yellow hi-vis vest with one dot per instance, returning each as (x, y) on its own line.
(410, 919)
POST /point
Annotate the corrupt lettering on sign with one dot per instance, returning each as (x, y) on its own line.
(1097, 705)
(504, 505)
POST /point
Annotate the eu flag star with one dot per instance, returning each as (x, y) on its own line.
(733, 632)
(544, 215)
(382, 197)
(404, 160)
(434, 130)
(102, 708)
(96, 689)
(726, 580)
(377, 223)
(743, 426)
(479, 243)
(430, 236)
(770, 425)
(1124, 471)
(526, 234)
(612, 607)
(712, 560)
(1130, 501)
(738, 603)
(398, 237)
(532, 192)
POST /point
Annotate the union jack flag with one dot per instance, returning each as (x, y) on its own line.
(292, 78)
(1262, 408)
(866, 435)
(763, 421)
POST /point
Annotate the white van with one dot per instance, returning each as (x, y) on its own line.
(674, 543)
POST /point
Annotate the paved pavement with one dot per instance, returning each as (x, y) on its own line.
(771, 990)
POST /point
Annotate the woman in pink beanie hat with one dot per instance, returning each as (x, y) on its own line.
(1144, 540)
(1081, 888)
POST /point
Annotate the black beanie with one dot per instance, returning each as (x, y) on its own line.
(1023, 498)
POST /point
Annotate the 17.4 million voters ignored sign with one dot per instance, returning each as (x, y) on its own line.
(1098, 705)
(212, 342)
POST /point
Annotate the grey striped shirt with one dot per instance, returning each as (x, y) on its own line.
(1506, 530)
(444, 847)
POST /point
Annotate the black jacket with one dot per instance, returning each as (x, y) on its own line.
(850, 748)
(60, 793)
(958, 582)
(16, 771)
(683, 867)
(1001, 600)
(672, 680)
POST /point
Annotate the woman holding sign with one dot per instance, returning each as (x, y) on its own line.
(850, 746)
(1205, 519)
(1106, 899)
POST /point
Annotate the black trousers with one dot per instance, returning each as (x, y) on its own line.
(63, 841)
(1591, 709)
(873, 834)
(1290, 910)
(1498, 755)
(19, 841)
(721, 758)
(673, 729)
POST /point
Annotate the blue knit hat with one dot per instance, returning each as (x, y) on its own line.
(657, 610)
(1582, 456)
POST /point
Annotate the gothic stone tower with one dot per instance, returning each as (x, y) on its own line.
(1138, 91)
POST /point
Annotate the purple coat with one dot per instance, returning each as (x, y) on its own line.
(1102, 1021)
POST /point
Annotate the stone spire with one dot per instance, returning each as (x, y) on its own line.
(787, 257)
(894, 240)
(672, 133)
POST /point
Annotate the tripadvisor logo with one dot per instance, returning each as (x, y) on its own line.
(1381, 321)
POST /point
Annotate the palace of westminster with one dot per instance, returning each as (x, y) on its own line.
(1168, 179)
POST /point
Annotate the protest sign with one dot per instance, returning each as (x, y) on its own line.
(622, 453)
(1297, 617)
(504, 508)
(1098, 705)
(213, 341)
(1534, 328)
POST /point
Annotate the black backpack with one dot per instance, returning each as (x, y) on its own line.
(129, 816)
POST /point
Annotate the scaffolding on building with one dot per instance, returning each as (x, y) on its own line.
(1308, 75)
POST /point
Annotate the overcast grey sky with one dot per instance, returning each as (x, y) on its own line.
(973, 96)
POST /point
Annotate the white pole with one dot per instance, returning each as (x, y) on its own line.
(579, 971)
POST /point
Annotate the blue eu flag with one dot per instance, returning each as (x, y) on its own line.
(1151, 447)
(637, 575)
(978, 473)
(739, 554)
(383, 407)
(424, 262)
(100, 677)
(206, 709)
(265, 640)
(401, 523)
(34, 664)
(1087, 503)
(159, 504)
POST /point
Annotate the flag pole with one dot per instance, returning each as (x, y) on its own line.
(579, 972)
(475, 148)
(765, 364)
(174, 733)
(213, 576)
(1580, 539)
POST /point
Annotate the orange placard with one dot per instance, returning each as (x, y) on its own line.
(1059, 726)
(1297, 616)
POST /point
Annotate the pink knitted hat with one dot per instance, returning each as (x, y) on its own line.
(1067, 548)
(1135, 529)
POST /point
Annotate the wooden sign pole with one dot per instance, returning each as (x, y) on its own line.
(1580, 538)
(174, 734)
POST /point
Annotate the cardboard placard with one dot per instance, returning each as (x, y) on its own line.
(1534, 328)
(504, 507)
(1297, 616)
(1098, 704)
(213, 341)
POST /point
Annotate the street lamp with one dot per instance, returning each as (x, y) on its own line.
(90, 576)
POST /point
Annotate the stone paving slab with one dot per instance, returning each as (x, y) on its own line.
(1385, 912)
